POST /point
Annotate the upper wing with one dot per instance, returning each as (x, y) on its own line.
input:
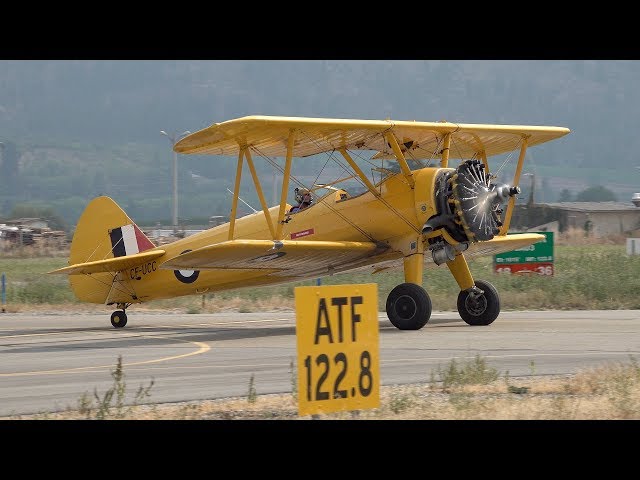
(290, 257)
(268, 135)
(110, 264)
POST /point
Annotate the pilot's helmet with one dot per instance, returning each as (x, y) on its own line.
(301, 193)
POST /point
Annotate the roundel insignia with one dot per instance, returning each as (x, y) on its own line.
(186, 276)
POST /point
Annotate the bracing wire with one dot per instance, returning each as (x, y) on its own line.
(359, 180)
(508, 158)
(275, 165)
(114, 283)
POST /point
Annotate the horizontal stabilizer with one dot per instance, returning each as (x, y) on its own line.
(110, 264)
(294, 256)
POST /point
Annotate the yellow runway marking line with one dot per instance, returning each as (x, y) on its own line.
(203, 348)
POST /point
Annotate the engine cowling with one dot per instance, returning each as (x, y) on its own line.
(469, 205)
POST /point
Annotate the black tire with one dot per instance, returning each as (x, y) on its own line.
(408, 306)
(484, 309)
(118, 319)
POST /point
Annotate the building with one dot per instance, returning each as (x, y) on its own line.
(31, 223)
(599, 219)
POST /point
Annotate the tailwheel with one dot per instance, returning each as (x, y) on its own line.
(479, 305)
(119, 319)
(408, 306)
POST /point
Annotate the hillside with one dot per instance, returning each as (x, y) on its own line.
(71, 130)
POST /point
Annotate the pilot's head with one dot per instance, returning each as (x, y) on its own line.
(302, 195)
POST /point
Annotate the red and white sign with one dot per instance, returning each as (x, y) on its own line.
(525, 268)
(303, 233)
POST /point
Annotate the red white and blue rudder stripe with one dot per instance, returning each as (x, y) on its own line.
(128, 240)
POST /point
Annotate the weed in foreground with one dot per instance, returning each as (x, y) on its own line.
(252, 395)
(294, 381)
(112, 404)
(473, 372)
(401, 402)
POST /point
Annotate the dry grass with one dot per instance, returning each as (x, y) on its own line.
(8, 250)
(460, 391)
(576, 236)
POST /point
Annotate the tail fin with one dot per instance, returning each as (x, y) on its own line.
(105, 231)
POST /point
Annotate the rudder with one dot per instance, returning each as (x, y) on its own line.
(103, 231)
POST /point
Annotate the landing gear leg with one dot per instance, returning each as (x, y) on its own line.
(119, 317)
(478, 302)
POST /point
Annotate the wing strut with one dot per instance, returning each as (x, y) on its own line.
(285, 183)
(444, 161)
(256, 182)
(236, 193)
(483, 157)
(516, 181)
(406, 171)
(359, 171)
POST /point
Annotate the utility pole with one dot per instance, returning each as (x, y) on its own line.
(533, 186)
(173, 139)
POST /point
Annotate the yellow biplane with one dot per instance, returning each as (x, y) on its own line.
(420, 210)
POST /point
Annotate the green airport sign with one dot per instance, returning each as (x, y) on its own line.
(541, 252)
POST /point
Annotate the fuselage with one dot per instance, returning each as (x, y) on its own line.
(395, 216)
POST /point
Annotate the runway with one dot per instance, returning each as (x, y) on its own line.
(50, 361)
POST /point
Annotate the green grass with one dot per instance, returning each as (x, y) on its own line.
(586, 277)
(27, 283)
(471, 372)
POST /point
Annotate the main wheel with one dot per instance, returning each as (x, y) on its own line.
(481, 310)
(118, 319)
(408, 306)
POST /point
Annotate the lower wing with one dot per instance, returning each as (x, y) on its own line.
(504, 243)
(287, 257)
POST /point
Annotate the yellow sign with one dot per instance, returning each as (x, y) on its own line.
(338, 344)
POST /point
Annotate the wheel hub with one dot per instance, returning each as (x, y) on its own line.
(406, 307)
(476, 306)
